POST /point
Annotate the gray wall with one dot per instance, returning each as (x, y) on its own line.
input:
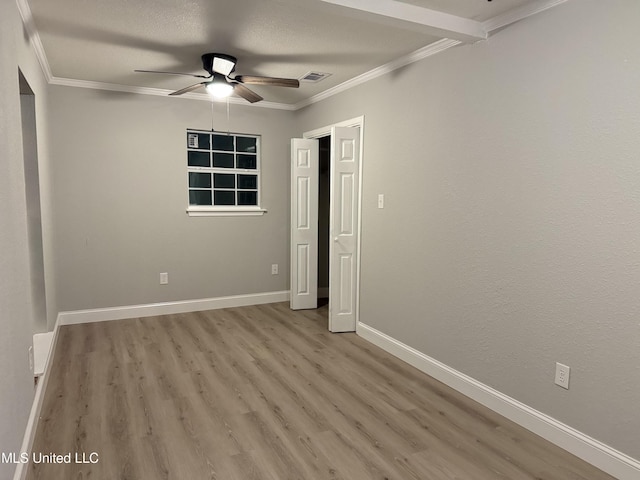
(17, 321)
(121, 198)
(509, 238)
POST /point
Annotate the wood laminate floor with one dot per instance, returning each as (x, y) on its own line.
(266, 393)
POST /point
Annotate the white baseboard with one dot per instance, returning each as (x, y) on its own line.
(44, 350)
(167, 308)
(42, 343)
(120, 313)
(589, 449)
(600, 455)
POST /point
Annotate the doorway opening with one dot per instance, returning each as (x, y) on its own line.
(324, 209)
(32, 197)
(325, 222)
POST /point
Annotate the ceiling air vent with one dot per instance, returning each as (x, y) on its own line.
(314, 77)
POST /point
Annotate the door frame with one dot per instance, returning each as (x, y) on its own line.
(324, 132)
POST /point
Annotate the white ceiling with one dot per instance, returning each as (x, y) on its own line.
(100, 43)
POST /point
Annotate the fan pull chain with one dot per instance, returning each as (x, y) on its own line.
(228, 121)
(212, 115)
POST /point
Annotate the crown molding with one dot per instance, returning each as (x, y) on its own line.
(490, 25)
(424, 52)
(34, 38)
(519, 13)
(115, 87)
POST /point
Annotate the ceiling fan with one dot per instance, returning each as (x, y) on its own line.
(220, 66)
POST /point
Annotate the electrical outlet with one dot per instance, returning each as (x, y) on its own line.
(164, 278)
(562, 375)
(381, 200)
(274, 269)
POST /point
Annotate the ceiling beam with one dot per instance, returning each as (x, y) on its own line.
(435, 22)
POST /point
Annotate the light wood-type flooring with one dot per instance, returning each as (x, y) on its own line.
(266, 393)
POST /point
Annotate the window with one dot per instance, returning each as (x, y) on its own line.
(223, 173)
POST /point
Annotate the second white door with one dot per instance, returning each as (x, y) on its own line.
(345, 155)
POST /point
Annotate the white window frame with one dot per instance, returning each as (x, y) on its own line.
(226, 210)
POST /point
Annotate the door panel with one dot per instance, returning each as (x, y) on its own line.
(302, 281)
(303, 203)
(346, 210)
(345, 157)
(345, 303)
(304, 223)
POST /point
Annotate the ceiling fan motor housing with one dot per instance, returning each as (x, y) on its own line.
(219, 63)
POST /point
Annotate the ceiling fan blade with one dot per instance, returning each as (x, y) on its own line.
(245, 93)
(274, 81)
(173, 73)
(190, 88)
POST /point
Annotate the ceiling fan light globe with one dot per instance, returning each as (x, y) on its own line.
(219, 89)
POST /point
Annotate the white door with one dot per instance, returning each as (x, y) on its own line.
(305, 175)
(345, 157)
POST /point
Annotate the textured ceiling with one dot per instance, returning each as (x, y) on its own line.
(104, 41)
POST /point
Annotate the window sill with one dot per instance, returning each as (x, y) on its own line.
(194, 211)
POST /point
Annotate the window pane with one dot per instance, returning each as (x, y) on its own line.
(247, 161)
(223, 160)
(224, 197)
(249, 182)
(224, 180)
(198, 140)
(223, 142)
(198, 159)
(247, 198)
(199, 180)
(234, 156)
(199, 197)
(246, 144)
